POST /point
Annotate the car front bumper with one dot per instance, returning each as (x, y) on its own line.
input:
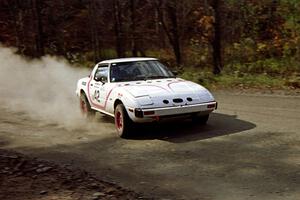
(155, 114)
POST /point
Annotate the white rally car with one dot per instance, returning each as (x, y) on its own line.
(138, 90)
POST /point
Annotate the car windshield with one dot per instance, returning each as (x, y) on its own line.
(139, 70)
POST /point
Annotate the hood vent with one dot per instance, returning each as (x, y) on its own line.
(189, 99)
(166, 101)
(178, 100)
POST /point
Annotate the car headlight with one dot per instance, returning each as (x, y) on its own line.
(205, 95)
(144, 101)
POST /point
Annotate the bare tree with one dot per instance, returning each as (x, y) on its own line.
(132, 6)
(93, 20)
(118, 26)
(136, 28)
(167, 15)
(16, 15)
(216, 41)
(39, 35)
(61, 44)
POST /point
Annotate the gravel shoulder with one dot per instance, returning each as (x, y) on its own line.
(22, 177)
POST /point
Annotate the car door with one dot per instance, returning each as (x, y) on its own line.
(98, 87)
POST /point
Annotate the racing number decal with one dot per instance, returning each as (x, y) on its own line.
(97, 95)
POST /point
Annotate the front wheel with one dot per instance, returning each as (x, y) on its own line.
(122, 121)
(85, 107)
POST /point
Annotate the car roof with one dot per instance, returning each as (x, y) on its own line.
(118, 60)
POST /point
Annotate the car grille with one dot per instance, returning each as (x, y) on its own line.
(178, 100)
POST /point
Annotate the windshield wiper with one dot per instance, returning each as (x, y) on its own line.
(145, 78)
(156, 77)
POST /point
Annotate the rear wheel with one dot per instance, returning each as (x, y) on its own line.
(200, 119)
(122, 121)
(85, 107)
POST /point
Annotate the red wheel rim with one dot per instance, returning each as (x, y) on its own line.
(119, 121)
(83, 107)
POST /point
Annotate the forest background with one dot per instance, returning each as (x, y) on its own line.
(218, 43)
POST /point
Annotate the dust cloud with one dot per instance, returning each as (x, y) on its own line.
(44, 88)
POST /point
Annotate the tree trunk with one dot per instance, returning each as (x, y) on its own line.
(61, 45)
(216, 42)
(172, 32)
(118, 28)
(172, 12)
(133, 28)
(16, 13)
(93, 28)
(39, 37)
(159, 31)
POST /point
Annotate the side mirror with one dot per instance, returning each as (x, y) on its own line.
(101, 78)
(175, 73)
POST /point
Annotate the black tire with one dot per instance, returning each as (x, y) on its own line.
(200, 119)
(123, 123)
(85, 107)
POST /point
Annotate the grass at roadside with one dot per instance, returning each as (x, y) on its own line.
(241, 80)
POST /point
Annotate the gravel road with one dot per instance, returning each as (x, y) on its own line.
(250, 149)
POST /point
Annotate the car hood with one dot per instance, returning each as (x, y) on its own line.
(169, 89)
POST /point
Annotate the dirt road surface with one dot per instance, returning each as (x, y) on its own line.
(250, 149)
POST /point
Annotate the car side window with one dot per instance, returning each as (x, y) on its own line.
(102, 71)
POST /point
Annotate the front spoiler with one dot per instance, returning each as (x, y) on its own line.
(203, 108)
